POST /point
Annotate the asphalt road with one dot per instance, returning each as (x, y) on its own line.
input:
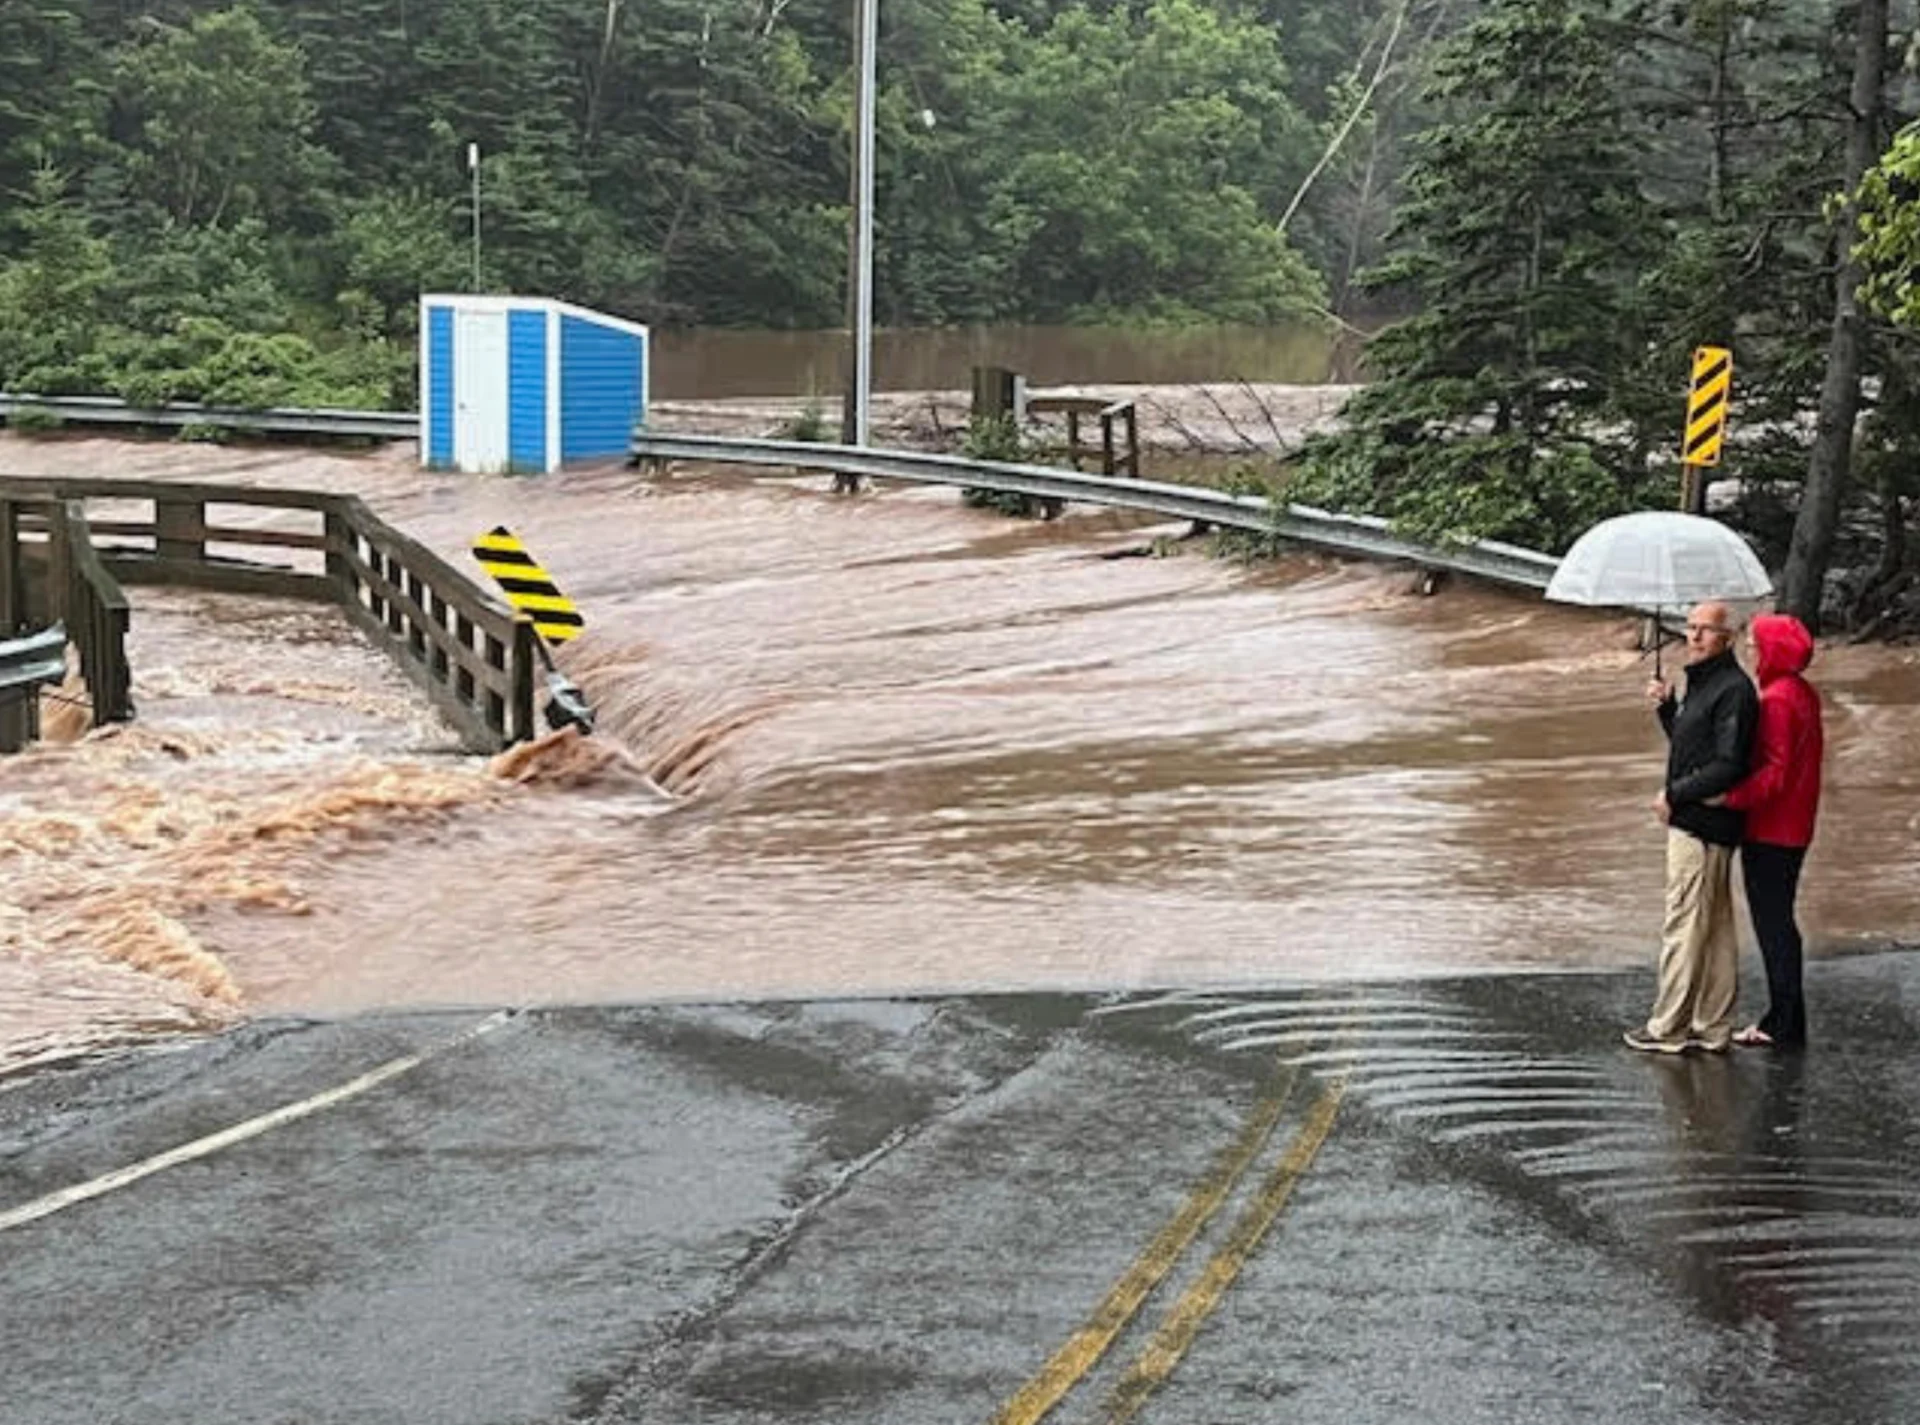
(1457, 1200)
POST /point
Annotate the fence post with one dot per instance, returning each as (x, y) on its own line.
(59, 593)
(334, 524)
(996, 392)
(180, 530)
(113, 699)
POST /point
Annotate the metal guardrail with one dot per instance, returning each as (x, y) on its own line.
(28, 664)
(1362, 535)
(278, 420)
(1359, 535)
(33, 659)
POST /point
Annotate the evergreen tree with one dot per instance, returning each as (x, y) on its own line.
(46, 77)
(53, 297)
(1493, 411)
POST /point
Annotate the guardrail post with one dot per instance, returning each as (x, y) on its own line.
(1133, 442)
(19, 719)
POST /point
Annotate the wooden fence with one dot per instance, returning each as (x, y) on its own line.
(476, 659)
(59, 577)
(1118, 452)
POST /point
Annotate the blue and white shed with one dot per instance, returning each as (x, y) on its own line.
(526, 383)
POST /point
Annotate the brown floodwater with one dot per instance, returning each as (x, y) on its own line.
(707, 363)
(879, 745)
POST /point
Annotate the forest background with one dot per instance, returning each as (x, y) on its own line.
(1559, 199)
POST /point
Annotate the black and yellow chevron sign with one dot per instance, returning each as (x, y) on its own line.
(528, 587)
(1707, 405)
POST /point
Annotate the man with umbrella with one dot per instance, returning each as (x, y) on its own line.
(1709, 749)
(1650, 561)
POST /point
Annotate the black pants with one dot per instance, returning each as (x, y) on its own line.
(1772, 876)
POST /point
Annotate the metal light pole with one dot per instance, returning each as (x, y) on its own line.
(860, 269)
(473, 167)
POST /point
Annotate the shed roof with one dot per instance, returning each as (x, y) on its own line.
(485, 301)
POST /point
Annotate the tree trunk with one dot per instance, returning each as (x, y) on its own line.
(1828, 463)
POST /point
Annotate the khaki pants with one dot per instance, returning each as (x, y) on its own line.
(1699, 947)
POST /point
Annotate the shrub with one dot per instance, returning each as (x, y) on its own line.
(35, 420)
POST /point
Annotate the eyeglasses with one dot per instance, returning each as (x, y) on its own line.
(1707, 628)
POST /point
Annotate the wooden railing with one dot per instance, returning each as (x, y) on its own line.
(94, 610)
(59, 578)
(474, 657)
(1119, 449)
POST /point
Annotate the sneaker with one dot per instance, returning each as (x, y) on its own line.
(1710, 1046)
(1648, 1044)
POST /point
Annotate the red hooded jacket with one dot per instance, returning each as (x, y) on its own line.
(1781, 795)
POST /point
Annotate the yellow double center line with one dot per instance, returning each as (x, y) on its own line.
(1183, 1322)
(1065, 1368)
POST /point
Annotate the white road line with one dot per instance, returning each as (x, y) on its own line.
(55, 1201)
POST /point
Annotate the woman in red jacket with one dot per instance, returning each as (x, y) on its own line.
(1781, 797)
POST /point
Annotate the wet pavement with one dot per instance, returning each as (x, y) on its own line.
(1321, 1202)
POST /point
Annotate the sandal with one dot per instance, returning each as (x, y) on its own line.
(1753, 1037)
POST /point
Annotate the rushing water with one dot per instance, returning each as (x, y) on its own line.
(872, 745)
(707, 362)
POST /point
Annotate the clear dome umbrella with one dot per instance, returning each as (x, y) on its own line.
(1658, 560)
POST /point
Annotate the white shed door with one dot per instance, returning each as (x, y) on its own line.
(480, 391)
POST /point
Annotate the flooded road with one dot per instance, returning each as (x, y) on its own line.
(909, 748)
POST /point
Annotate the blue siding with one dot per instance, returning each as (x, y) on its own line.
(600, 385)
(440, 397)
(527, 390)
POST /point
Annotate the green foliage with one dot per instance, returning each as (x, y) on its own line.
(389, 248)
(1889, 243)
(34, 420)
(1497, 412)
(54, 296)
(809, 425)
(997, 438)
(218, 117)
(1117, 156)
(279, 167)
(993, 438)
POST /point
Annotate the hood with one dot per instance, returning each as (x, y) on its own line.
(1782, 644)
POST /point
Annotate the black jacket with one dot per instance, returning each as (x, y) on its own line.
(1710, 746)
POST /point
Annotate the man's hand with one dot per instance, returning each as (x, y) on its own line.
(1661, 809)
(1658, 691)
